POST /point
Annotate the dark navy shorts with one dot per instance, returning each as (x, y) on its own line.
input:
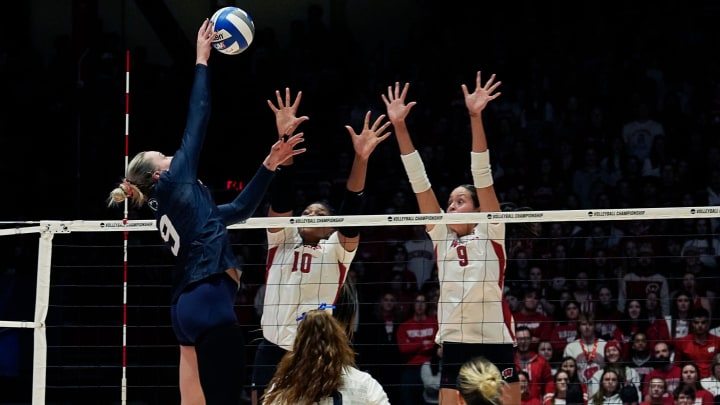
(267, 358)
(203, 306)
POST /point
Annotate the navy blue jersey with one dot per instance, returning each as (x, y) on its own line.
(190, 222)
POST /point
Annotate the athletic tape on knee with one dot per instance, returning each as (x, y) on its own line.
(480, 169)
(415, 170)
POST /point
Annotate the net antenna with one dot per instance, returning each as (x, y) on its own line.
(123, 382)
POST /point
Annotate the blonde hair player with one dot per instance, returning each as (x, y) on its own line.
(479, 382)
(207, 273)
(473, 317)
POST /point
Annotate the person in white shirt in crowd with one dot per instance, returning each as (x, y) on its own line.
(712, 383)
(430, 374)
(588, 350)
(420, 255)
(609, 392)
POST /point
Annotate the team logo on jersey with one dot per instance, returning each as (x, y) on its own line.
(507, 373)
(153, 204)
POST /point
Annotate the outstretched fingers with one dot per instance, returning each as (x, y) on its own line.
(295, 124)
(404, 90)
(377, 122)
(382, 129)
(465, 91)
(287, 145)
(293, 140)
(297, 99)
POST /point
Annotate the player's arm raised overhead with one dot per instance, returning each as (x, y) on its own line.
(397, 111)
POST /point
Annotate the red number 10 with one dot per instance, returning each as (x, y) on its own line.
(305, 262)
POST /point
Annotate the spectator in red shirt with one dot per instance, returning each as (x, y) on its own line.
(689, 378)
(699, 346)
(536, 367)
(416, 341)
(606, 314)
(636, 320)
(568, 365)
(540, 325)
(566, 330)
(525, 397)
(658, 393)
(665, 368)
(545, 349)
(558, 396)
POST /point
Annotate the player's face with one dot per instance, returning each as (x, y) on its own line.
(461, 201)
(315, 234)
(315, 210)
(159, 161)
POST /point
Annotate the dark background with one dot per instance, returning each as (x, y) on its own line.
(62, 125)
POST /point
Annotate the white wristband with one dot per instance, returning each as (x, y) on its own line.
(415, 170)
(480, 169)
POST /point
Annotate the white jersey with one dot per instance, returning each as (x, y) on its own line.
(471, 270)
(358, 388)
(299, 278)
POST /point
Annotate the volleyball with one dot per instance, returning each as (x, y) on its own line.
(235, 30)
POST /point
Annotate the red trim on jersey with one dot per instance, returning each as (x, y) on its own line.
(271, 255)
(507, 314)
(341, 280)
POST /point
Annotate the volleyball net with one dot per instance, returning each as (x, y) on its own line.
(74, 328)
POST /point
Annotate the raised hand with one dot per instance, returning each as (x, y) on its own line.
(282, 150)
(285, 112)
(478, 99)
(370, 136)
(397, 110)
(205, 36)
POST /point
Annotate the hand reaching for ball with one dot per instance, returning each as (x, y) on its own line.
(204, 40)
